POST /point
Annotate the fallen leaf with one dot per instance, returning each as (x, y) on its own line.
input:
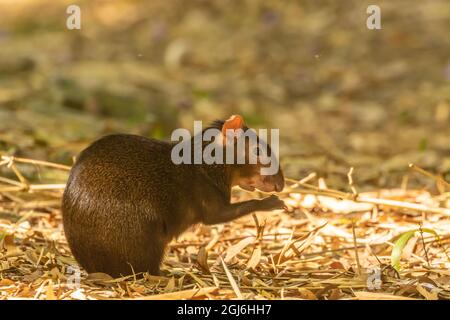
(307, 294)
(364, 295)
(178, 295)
(234, 250)
(255, 258)
(202, 259)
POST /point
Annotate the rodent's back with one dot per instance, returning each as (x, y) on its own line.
(119, 166)
(120, 195)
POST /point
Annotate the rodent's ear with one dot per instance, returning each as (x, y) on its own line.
(233, 123)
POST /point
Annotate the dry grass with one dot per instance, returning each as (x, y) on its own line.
(328, 246)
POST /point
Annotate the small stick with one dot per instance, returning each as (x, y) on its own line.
(351, 183)
(405, 180)
(356, 249)
(376, 201)
(302, 181)
(19, 175)
(403, 205)
(424, 246)
(10, 181)
(10, 189)
(8, 159)
(32, 187)
(310, 186)
(429, 174)
(373, 253)
(55, 186)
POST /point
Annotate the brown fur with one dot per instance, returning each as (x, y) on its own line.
(125, 201)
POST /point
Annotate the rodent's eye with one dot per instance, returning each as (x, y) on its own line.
(256, 151)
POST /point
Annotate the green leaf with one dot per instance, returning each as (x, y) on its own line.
(401, 243)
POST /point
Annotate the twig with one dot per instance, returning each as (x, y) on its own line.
(364, 199)
(429, 174)
(33, 187)
(424, 246)
(403, 205)
(304, 180)
(356, 249)
(351, 183)
(8, 159)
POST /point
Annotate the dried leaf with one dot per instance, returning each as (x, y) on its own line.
(255, 258)
(202, 260)
(6, 282)
(233, 283)
(307, 294)
(170, 285)
(237, 248)
(429, 295)
(178, 295)
(49, 294)
(364, 295)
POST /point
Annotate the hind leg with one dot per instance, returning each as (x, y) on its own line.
(149, 260)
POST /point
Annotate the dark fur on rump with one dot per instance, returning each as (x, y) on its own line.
(125, 200)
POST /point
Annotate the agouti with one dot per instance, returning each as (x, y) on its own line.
(125, 200)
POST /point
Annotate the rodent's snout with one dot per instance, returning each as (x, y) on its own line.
(273, 183)
(265, 183)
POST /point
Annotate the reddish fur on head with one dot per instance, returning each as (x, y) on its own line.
(235, 122)
(248, 176)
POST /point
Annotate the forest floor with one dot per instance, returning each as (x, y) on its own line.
(329, 244)
(342, 96)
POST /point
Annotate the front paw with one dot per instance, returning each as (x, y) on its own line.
(271, 203)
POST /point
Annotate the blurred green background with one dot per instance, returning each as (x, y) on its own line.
(341, 95)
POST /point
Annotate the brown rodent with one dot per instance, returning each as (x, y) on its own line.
(125, 200)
